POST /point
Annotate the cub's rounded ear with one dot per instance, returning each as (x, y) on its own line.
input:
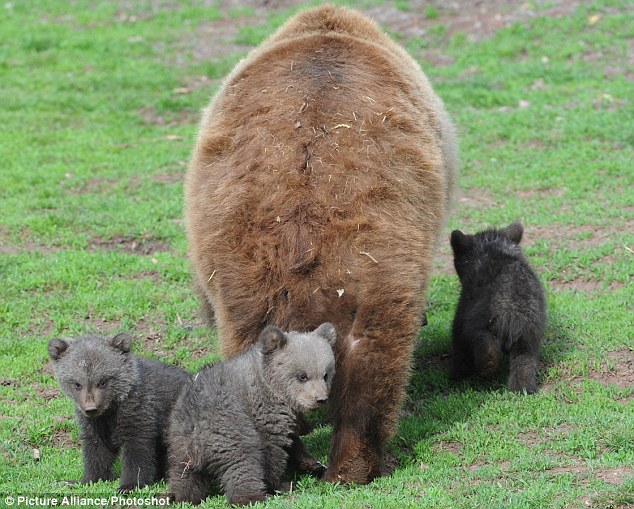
(327, 330)
(460, 242)
(514, 232)
(121, 341)
(56, 348)
(272, 338)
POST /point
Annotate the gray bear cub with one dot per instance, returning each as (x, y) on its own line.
(121, 402)
(235, 421)
(501, 307)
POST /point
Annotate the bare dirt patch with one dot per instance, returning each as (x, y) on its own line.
(63, 439)
(577, 237)
(529, 438)
(182, 117)
(47, 369)
(260, 7)
(47, 394)
(577, 284)
(213, 40)
(94, 185)
(478, 20)
(5, 248)
(544, 436)
(9, 246)
(170, 178)
(504, 465)
(101, 185)
(527, 194)
(151, 336)
(474, 198)
(451, 447)
(616, 476)
(153, 340)
(130, 244)
(617, 369)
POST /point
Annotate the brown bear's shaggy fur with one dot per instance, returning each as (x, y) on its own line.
(316, 192)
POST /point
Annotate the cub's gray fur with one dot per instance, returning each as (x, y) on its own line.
(501, 307)
(236, 420)
(121, 401)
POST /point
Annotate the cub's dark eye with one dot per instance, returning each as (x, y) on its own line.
(102, 383)
(326, 377)
(302, 377)
(77, 385)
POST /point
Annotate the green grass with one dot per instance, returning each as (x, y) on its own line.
(100, 103)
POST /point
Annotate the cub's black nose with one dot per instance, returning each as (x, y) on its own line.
(91, 410)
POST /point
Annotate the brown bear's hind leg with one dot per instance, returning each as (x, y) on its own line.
(372, 374)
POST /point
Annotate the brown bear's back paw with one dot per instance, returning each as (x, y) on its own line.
(358, 470)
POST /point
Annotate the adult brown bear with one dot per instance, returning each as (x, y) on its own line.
(316, 192)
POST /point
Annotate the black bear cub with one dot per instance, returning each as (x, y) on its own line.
(121, 402)
(501, 307)
(235, 422)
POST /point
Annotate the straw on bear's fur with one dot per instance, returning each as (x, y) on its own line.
(317, 190)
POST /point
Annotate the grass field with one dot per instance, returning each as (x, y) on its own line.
(99, 103)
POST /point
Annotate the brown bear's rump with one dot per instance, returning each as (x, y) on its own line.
(316, 154)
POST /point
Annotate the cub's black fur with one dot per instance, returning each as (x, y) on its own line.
(501, 307)
(121, 402)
